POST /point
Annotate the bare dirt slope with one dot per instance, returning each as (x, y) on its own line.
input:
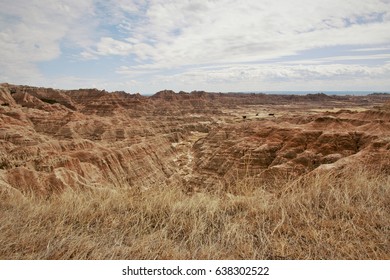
(52, 139)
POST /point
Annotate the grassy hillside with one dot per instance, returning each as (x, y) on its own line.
(329, 215)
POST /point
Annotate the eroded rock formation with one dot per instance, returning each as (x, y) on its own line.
(53, 139)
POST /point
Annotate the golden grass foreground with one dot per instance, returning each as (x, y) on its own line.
(329, 215)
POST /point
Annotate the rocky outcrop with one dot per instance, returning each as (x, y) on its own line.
(265, 148)
(54, 139)
(5, 97)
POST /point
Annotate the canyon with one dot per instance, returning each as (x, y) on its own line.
(51, 140)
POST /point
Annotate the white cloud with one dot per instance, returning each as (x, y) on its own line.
(177, 33)
(173, 41)
(246, 77)
(109, 46)
(241, 36)
(31, 32)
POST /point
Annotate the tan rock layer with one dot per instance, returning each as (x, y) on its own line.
(54, 139)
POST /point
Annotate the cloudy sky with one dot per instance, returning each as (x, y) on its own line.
(216, 45)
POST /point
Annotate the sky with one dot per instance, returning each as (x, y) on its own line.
(214, 45)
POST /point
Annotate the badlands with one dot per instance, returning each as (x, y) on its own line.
(53, 139)
(239, 155)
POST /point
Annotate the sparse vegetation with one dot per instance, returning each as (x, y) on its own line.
(330, 215)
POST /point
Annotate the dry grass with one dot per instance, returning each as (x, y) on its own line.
(332, 215)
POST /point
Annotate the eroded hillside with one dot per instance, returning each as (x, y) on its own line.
(54, 139)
